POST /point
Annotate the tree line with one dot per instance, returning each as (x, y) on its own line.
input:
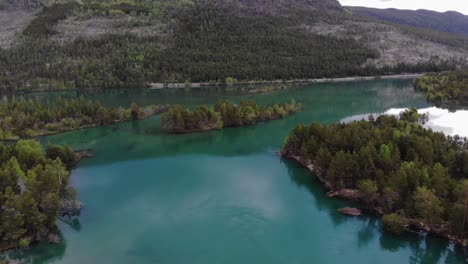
(399, 168)
(448, 89)
(21, 118)
(225, 114)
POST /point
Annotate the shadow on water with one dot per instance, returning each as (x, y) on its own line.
(368, 231)
(302, 178)
(424, 249)
(123, 97)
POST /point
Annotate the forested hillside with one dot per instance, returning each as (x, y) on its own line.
(453, 22)
(109, 44)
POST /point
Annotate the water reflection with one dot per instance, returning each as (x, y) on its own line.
(388, 92)
(424, 249)
(303, 179)
(442, 120)
(368, 231)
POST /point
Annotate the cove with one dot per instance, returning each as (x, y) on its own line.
(224, 196)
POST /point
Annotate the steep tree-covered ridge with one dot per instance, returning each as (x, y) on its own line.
(448, 90)
(206, 40)
(415, 177)
(34, 192)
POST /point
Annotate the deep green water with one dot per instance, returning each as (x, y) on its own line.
(224, 196)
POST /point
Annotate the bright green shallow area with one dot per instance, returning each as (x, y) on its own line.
(224, 196)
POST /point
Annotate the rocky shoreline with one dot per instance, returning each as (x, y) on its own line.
(413, 225)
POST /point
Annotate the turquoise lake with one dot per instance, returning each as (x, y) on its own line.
(224, 196)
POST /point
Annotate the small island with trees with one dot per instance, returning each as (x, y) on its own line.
(20, 118)
(34, 192)
(225, 114)
(448, 89)
(414, 177)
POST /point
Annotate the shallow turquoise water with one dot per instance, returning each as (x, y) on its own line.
(224, 196)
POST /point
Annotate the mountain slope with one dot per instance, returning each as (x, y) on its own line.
(452, 22)
(284, 6)
(124, 43)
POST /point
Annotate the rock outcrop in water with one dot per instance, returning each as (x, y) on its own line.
(350, 211)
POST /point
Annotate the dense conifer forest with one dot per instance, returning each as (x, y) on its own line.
(415, 177)
(34, 191)
(448, 90)
(225, 114)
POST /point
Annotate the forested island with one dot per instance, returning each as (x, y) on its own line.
(20, 118)
(414, 177)
(34, 192)
(448, 89)
(225, 114)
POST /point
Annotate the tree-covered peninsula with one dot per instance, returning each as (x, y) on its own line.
(413, 176)
(34, 191)
(225, 114)
(20, 118)
(448, 89)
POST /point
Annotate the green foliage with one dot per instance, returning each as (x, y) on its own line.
(31, 186)
(181, 120)
(369, 190)
(394, 223)
(29, 153)
(448, 89)
(24, 242)
(64, 153)
(230, 80)
(201, 41)
(427, 205)
(23, 119)
(396, 164)
(225, 114)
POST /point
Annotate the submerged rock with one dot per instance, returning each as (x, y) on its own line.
(350, 211)
(53, 238)
(346, 193)
(84, 153)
